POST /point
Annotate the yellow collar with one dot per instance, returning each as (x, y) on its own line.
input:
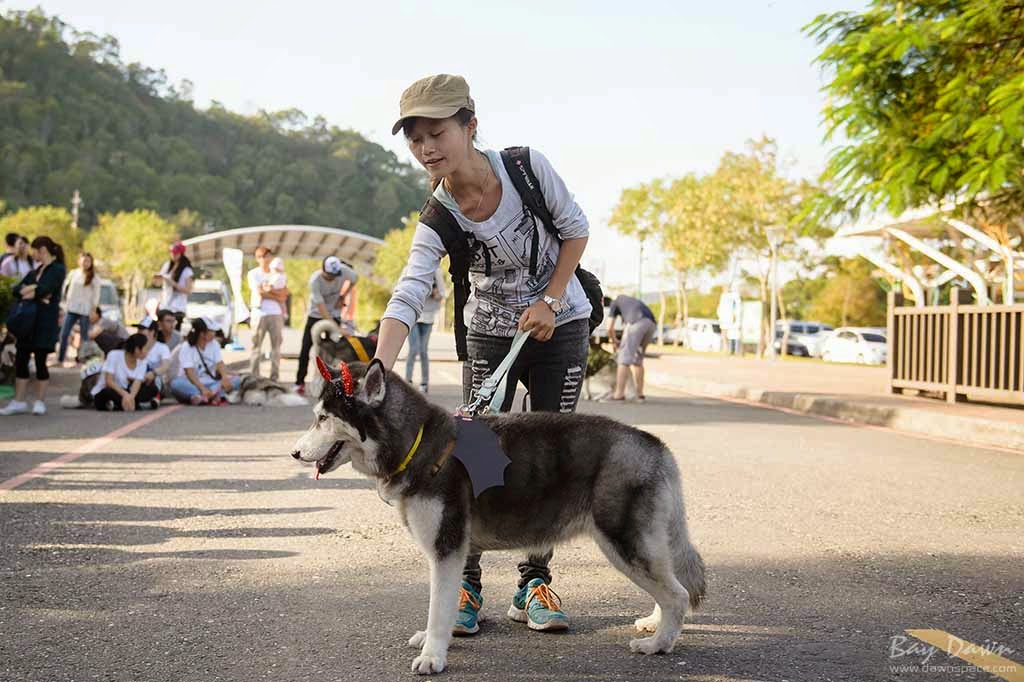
(357, 346)
(408, 458)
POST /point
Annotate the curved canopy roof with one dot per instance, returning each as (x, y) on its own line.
(286, 241)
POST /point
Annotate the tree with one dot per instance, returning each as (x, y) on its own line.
(850, 297)
(927, 97)
(46, 221)
(74, 116)
(131, 247)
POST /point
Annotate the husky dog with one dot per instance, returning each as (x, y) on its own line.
(335, 345)
(258, 392)
(569, 474)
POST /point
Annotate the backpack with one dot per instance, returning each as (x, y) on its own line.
(456, 242)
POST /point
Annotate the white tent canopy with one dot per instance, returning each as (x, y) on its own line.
(286, 241)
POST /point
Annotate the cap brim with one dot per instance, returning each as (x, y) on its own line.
(425, 112)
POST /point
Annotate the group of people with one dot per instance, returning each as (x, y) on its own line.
(121, 369)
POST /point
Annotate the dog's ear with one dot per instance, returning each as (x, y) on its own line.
(374, 384)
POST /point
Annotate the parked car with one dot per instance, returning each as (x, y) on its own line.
(703, 335)
(110, 301)
(811, 334)
(865, 345)
(793, 346)
(211, 298)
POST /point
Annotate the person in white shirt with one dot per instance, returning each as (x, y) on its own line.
(157, 359)
(203, 379)
(121, 377)
(81, 297)
(175, 280)
(17, 262)
(269, 292)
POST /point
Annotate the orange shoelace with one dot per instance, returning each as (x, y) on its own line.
(466, 598)
(547, 597)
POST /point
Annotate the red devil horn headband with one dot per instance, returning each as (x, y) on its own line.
(346, 375)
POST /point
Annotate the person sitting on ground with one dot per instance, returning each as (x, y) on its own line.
(108, 334)
(121, 381)
(158, 355)
(166, 321)
(637, 335)
(203, 379)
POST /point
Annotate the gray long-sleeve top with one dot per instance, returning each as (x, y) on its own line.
(497, 300)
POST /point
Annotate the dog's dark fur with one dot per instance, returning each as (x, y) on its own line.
(569, 474)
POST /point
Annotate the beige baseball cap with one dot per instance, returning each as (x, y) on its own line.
(437, 96)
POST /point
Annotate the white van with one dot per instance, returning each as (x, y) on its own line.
(703, 335)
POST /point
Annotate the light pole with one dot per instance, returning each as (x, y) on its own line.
(774, 233)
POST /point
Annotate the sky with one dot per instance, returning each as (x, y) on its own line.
(613, 93)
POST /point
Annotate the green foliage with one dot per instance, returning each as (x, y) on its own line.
(850, 296)
(74, 116)
(6, 296)
(375, 290)
(131, 247)
(927, 100)
(49, 221)
(298, 271)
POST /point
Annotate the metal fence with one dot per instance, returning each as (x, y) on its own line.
(957, 349)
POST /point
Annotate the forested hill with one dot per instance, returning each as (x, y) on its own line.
(74, 116)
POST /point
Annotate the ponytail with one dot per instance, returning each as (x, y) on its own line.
(51, 246)
(198, 327)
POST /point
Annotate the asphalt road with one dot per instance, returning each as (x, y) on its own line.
(194, 548)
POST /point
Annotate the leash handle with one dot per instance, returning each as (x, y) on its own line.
(493, 389)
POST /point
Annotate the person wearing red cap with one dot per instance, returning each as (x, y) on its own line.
(175, 278)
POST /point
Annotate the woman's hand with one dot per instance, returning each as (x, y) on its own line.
(127, 403)
(539, 320)
(225, 382)
(28, 292)
(208, 395)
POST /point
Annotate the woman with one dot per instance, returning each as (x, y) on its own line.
(19, 263)
(82, 296)
(157, 357)
(175, 279)
(437, 117)
(120, 381)
(419, 334)
(42, 285)
(203, 378)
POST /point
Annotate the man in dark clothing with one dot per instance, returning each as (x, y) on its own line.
(637, 334)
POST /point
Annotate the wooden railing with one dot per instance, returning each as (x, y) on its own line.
(957, 349)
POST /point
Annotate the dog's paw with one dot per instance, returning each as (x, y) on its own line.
(646, 624)
(416, 641)
(425, 664)
(650, 645)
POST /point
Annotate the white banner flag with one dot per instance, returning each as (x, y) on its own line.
(233, 259)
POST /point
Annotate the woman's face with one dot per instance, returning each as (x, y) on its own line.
(21, 247)
(85, 262)
(175, 257)
(139, 353)
(209, 335)
(440, 145)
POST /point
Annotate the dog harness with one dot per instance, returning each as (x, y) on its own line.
(357, 346)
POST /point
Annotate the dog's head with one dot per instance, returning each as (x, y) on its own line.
(350, 420)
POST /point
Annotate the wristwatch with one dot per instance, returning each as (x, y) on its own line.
(553, 303)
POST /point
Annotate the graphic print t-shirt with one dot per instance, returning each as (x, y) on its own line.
(502, 286)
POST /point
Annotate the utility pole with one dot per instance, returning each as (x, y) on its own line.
(76, 201)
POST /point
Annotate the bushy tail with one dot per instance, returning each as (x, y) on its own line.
(690, 572)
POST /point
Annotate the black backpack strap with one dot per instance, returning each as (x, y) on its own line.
(438, 218)
(520, 171)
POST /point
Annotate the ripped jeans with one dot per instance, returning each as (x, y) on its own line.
(553, 371)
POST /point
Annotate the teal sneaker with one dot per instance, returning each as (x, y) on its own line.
(539, 607)
(469, 618)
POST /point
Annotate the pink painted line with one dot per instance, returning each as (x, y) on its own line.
(92, 446)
